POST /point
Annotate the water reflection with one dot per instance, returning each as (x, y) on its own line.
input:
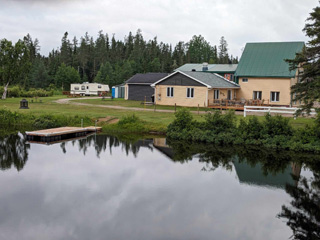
(13, 151)
(154, 188)
(303, 213)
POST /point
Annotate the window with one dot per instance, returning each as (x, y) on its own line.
(190, 92)
(99, 86)
(257, 95)
(169, 91)
(87, 87)
(76, 88)
(275, 96)
(244, 79)
(216, 94)
(229, 95)
(83, 88)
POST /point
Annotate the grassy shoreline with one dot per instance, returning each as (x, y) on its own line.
(47, 110)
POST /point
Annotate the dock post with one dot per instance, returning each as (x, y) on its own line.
(244, 112)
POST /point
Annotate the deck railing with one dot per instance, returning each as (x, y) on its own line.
(237, 103)
(268, 109)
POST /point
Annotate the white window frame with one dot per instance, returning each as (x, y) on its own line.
(170, 92)
(245, 80)
(76, 88)
(99, 86)
(83, 88)
(258, 95)
(190, 92)
(216, 94)
(275, 95)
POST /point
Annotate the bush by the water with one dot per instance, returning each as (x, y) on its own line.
(131, 123)
(134, 125)
(274, 132)
(8, 118)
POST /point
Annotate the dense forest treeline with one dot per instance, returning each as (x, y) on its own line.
(104, 59)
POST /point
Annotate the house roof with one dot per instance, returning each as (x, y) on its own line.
(211, 80)
(146, 78)
(211, 67)
(267, 59)
(254, 175)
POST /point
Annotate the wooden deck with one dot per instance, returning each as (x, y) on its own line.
(60, 141)
(59, 134)
(235, 104)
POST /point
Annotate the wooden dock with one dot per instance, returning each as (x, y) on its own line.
(58, 134)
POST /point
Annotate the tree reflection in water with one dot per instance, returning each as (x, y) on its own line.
(303, 215)
(13, 151)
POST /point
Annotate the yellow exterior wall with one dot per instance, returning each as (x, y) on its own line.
(223, 94)
(126, 92)
(267, 85)
(180, 96)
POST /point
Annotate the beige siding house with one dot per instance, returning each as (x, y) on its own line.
(263, 73)
(193, 89)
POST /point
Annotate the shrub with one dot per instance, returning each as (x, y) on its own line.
(277, 125)
(14, 91)
(250, 129)
(131, 123)
(10, 118)
(182, 121)
(219, 123)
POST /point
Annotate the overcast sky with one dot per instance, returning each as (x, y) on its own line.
(240, 21)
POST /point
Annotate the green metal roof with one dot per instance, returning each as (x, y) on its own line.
(211, 67)
(268, 59)
(254, 175)
(211, 79)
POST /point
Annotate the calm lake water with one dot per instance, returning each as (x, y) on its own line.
(103, 188)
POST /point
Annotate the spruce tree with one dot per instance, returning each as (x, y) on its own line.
(307, 90)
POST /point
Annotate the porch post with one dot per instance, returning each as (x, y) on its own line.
(207, 100)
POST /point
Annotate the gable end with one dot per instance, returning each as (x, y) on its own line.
(179, 79)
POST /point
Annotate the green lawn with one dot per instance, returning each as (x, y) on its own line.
(159, 119)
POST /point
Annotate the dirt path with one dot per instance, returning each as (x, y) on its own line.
(70, 101)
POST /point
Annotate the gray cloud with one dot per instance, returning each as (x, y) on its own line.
(171, 21)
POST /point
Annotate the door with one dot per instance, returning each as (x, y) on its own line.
(87, 90)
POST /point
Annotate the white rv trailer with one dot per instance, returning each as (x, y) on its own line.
(87, 89)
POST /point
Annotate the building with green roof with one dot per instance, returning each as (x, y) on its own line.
(263, 73)
(225, 70)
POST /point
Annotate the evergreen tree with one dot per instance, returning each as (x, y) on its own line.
(223, 51)
(307, 89)
(199, 50)
(38, 77)
(66, 50)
